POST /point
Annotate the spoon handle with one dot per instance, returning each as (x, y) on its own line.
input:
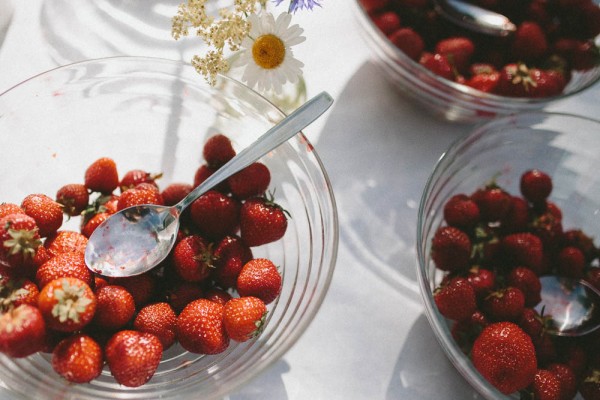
(277, 135)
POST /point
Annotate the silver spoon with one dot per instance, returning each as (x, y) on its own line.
(572, 304)
(475, 18)
(138, 238)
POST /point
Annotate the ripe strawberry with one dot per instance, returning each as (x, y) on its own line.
(545, 386)
(19, 239)
(529, 41)
(373, 5)
(215, 215)
(456, 299)
(92, 223)
(175, 192)
(438, 64)
(10, 208)
(458, 50)
(230, 256)
(133, 357)
(483, 77)
(578, 238)
(504, 304)
(517, 217)
(244, 317)
(78, 358)
(15, 291)
(115, 307)
(409, 41)
(160, 320)
(567, 378)
(528, 282)
(70, 264)
(548, 83)
(217, 295)
(47, 213)
(515, 80)
(141, 287)
(136, 176)
(192, 258)
(462, 212)
(451, 249)
(66, 242)
(67, 304)
(262, 221)
(532, 323)
(218, 150)
(102, 176)
(250, 181)
(589, 388)
(74, 197)
(22, 331)
(482, 280)
(136, 197)
(523, 249)
(570, 262)
(260, 278)
(386, 21)
(549, 229)
(180, 294)
(203, 172)
(494, 203)
(535, 185)
(505, 356)
(200, 328)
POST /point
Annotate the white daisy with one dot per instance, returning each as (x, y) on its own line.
(266, 52)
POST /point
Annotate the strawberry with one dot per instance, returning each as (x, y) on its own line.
(67, 304)
(516, 80)
(567, 378)
(102, 176)
(523, 249)
(133, 357)
(549, 229)
(532, 323)
(260, 278)
(69, 264)
(200, 327)
(438, 64)
(158, 319)
(451, 249)
(589, 387)
(570, 262)
(504, 304)
(386, 21)
(529, 41)
(262, 221)
(217, 150)
(203, 172)
(230, 256)
(546, 386)
(482, 280)
(10, 208)
(528, 283)
(181, 293)
(505, 356)
(217, 295)
(408, 41)
(22, 331)
(141, 287)
(136, 176)
(548, 83)
(19, 239)
(535, 185)
(494, 203)
(462, 212)
(175, 192)
(244, 317)
(47, 213)
(578, 238)
(458, 50)
(137, 196)
(78, 358)
(66, 242)
(215, 214)
(15, 291)
(74, 197)
(483, 77)
(250, 181)
(373, 5)
(192, 258)
(93, 222)
(456, 299)
(115, 307)
(517, 217)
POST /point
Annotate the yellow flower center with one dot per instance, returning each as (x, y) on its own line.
(268, 51)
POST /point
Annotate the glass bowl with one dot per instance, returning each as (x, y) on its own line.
(565, 146)
(155, 114)
(446, 99)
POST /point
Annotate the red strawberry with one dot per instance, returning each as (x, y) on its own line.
(133, 357)
(373, 5)
(515, 80)
(529, 41)
(230, 256)
(19, 239)
(193, 258)
(136, 176)
(74, 198)
(535, 185)
(180, 294)
(66, 242)
(458, 50)
(78, 358)
(567, 378)
(505, 356)
(532, 323)
(203, 172)
(456, 299)
(451, 249)
(15, 291)
(462, 212)
(483, 77)
(160, 320)
(482, 280)
(67, 304)
(141, 287)
(517, 217)
(136, 196)
(218, 150)
(244, 317)
(92, 223)
(69, 264)
(22, 331)
(494, 203)
(102, 176)
(10, 208)
(549, 229)
(578, 238)
(250, 181)
(409, 41)
(438, 64)
(570, 262)
(260, 278)
(115, 307)
(262, 221)
(523, 249)
(504, 304)
(175, 192)
(200, 327)
(546, 386)
(386, 21)
(215, 214)
(47, 213)
(528, 282)
(217, 295)
(548, 83)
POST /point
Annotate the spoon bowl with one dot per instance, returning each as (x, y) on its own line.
(475, 18)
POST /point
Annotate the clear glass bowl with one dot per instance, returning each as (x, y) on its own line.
(564, 146)
(449, 100)
(155, 114)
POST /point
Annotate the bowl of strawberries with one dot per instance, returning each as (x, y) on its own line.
(508, 206)
(466, 76)
(250, 267)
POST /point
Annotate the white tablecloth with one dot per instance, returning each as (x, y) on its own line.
(371, 339)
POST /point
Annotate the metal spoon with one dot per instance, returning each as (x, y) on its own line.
(475, 18)
(572, 304)
(138, 238)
